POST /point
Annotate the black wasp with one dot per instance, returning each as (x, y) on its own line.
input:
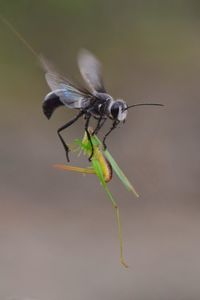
(91, 102)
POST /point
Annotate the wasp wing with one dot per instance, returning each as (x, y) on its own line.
(70, 95)
(90, 69)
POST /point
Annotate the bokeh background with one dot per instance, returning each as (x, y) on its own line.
(58, 234)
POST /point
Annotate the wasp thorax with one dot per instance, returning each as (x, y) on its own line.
(118, 110)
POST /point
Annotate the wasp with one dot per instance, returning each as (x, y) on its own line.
(91, 102)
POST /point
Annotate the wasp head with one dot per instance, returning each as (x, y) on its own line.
(118, 110)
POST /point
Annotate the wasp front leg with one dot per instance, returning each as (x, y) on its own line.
(115, 123)
(100, 124)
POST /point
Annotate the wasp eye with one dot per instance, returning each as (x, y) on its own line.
(115, 110)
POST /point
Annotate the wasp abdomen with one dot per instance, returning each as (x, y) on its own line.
(51, 102)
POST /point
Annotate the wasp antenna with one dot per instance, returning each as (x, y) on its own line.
(143, 104)
(18, 35)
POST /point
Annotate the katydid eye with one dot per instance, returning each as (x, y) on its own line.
(115, 110)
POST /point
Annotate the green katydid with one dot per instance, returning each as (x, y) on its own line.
(102, 164)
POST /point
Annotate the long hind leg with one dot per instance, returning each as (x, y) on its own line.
(64, 127)
(89, 135)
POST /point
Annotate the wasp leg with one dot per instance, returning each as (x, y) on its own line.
(64, 127)
(88, 135)
(115, 123)
(100, 124)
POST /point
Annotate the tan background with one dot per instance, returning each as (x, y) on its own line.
(58, 235)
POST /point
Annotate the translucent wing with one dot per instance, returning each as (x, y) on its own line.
(68, 93)
(90, 69)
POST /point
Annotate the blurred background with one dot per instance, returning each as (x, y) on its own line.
(58, 233)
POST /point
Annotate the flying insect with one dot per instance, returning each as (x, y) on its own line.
(91, 102)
